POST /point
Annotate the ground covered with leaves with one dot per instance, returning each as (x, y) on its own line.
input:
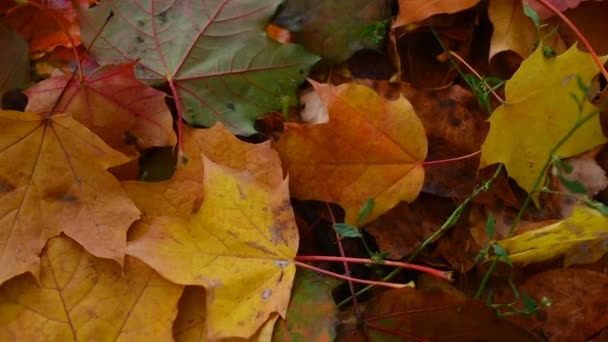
(260, 170)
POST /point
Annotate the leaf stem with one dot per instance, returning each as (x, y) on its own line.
(350, 279)
(443, 161)
(490, 88)
(437, 273)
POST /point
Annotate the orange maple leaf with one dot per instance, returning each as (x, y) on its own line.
(53, 179)
(370, 148)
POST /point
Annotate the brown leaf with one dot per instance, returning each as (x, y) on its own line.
(403, 228)
(432, 314)
(579, 304)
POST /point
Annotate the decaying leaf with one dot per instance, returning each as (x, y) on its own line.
(84, 298)
(432, 314)
(335, 37)
(581, 238)
(239, 246)
(53, 179)
(578, 299)
(539, 111)
(311, 315)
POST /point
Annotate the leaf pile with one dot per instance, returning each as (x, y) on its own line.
(166, 166)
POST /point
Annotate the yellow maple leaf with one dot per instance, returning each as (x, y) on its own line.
(53, 179)
(182, 194)
(84, 298)
(370, 148)
(581, 238)
(239, 246)
(539, 111)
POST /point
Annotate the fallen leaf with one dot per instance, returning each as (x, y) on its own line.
(128, 115)
(334, 37)
(84, 298)
(581, 238)
(513, 30)
(311, 315)
(402, 229)
(579, 302)
(53, 179)
(432, 314)
(539, 111)
(239, 246)
(455, 126)
(412, 11)
(46, 24)
(214, 54)
(182, 194)
(370, 148)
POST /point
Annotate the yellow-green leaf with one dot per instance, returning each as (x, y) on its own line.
(539, 111)
(581, 238)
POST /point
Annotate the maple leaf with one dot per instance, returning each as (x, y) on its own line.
(317, 27)
(538, 112)
(214, 53)
(84, 298)
(46, 24)
(581, 238)
(125, 113)
(370, 148)
(182, 194)
(412, 11)
(312, 312)
(239, 246)
(513, 30)
(53, 179)
(575, 295)
(433, 314)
